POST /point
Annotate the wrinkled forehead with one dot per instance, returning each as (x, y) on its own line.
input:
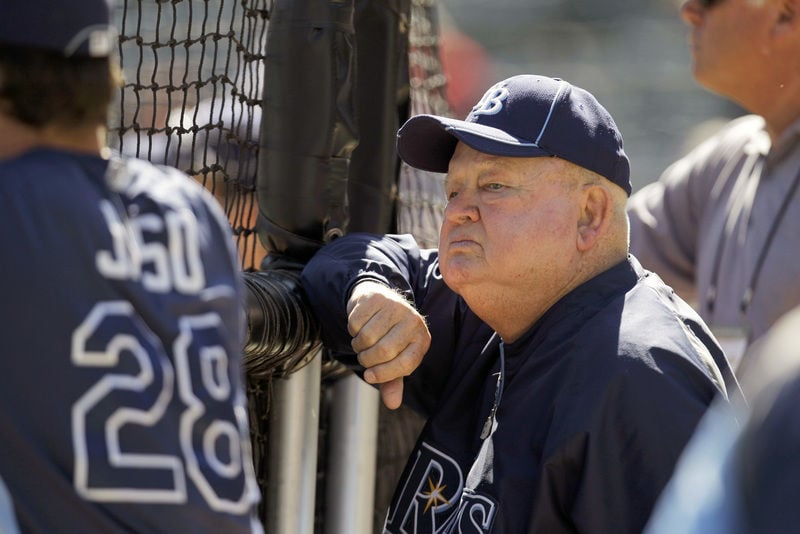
(468, 162)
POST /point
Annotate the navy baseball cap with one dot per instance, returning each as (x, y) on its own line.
(523, 116)
(72, 28)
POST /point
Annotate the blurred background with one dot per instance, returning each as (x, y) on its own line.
(631, 54)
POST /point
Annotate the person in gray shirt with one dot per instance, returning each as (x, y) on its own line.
(721, 224)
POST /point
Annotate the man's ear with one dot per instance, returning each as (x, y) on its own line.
(788, 19)
(596, 206)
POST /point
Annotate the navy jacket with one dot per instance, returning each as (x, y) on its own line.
(595, 402)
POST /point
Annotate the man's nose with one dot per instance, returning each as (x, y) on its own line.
(462, 207)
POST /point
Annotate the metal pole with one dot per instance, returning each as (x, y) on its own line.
(350, 484)
(293, 441)
(381, 36)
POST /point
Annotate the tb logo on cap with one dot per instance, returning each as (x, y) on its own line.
(492, 101)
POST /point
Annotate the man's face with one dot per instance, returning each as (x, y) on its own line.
(729, 41)
(510, 224)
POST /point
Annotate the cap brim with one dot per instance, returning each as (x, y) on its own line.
(427, 142)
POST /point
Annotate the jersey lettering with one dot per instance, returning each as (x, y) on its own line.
(211, 446)
(138, 254)
(110, 332)
(112, 461)
(433, 500)
(475, 514)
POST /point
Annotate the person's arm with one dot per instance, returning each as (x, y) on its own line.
(665, 214)
(375, 298)
(390, 337)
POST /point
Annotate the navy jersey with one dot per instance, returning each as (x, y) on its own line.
(574, 427)
(121, 399)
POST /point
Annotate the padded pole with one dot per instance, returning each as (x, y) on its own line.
(382, 81)
(308, 131)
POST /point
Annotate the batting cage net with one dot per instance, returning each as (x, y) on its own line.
(193, 97)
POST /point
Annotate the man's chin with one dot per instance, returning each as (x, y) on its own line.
(705, 79)
(459, 273)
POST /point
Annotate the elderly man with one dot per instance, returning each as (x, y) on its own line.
(720, 225)
(560, 379)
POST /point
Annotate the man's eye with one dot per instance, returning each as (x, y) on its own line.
(494, 186)
(451, 195)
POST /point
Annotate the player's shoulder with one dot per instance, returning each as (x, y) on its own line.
(162, 183)
(142, 171)
(41, 159)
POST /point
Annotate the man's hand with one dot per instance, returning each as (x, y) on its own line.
(389, 336)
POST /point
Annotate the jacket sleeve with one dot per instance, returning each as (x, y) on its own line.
(397, 261)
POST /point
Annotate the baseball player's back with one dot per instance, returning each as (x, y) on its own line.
(121, 398)
(122, 407)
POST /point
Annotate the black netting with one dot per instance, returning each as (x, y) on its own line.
(192, 97)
